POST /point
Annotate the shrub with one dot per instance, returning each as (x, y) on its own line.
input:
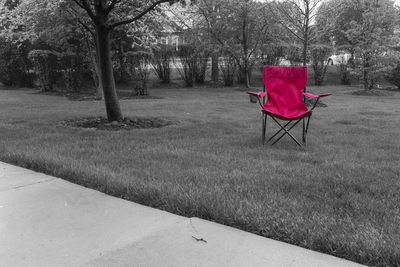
(394, 76)
(161, 62)
(228, 67)
(45, 63)
(72, 67)
(319, 60)
(345, 76)
(241, 72)
(120, 67)
(193, 63)
(372, 66)
(138, 67)
(15, 65)
(187, 63)
(271, 55)
(201, 57)
(294, 55)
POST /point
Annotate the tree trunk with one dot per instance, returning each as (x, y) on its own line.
(246, 75)
(106, 72)
(305, 44)
(98, 81)
(214, 67)
(245, 49)
(305, 47)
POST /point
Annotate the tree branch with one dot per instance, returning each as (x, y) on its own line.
(141, 14)
(112, 6)
(76, 16)
(84, 5)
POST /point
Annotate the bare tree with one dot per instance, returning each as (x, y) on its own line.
(297, 16)
(210, 11)
(238, 28)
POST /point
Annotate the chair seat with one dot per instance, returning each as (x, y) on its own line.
(296, 115)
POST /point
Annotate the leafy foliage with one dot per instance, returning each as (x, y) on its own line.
(366, 27)
(228, 68)
(45, 66)
(271, 54)
(14, 64)
(74, 69)
(394, 76)
(294, 55)
(239, 28)
(161, 62)
(319, 60)
(186, 64)
(138, 65)
(345, 75)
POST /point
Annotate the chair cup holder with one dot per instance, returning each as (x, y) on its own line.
(253, 98)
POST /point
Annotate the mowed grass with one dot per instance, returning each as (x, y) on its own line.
(340, 195)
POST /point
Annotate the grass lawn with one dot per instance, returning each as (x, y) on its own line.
(340, 195)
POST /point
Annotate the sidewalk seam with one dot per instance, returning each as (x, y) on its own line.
(26, 185)
(150, 234)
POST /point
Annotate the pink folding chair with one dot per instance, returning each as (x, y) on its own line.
(284, 90)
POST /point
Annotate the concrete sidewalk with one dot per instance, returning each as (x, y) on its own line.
(46, 221)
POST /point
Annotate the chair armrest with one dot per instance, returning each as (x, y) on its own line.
(316, 96)
(258, 94)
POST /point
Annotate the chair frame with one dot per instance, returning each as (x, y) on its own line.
(285, 127)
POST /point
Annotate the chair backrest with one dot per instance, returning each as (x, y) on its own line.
(284, 86)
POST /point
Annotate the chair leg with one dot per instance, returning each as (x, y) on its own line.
(306, 130)
(286, 125)
(286, 132)
(264, 127)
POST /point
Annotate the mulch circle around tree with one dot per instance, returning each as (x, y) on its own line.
(372, 93)
(91, 96)
(101, 123)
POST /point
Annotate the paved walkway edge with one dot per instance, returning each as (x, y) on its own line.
(46, 221)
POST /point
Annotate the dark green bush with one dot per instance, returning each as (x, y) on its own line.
(345, 76)
(228, 67)
(15, 67)
(161, 62)
(271, 54)
(293, 54)
(187, 62)
(73, 68)
(319, 61)
(394, 76)
(200, 64)
(138, 67)
(45, 63)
